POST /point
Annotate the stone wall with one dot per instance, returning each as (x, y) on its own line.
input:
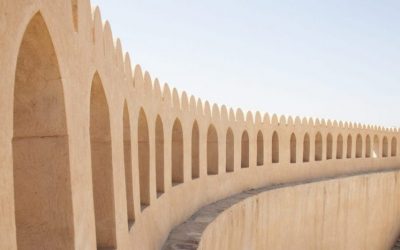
(359, 212)
(97, 153)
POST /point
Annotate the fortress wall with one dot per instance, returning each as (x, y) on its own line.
(359, 212)
(94, 81)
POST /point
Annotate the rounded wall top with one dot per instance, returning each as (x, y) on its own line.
(274, 120)
(192, 105)
(185, 101)
(215, 113)
(207, 109)
(249, 117)
(175, 99)
(239, 115)
(224, 113)
(157, 89)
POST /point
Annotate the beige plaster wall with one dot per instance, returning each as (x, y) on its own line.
(84, 54)
(359, 212)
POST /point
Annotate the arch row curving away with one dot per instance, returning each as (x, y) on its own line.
(95, 153)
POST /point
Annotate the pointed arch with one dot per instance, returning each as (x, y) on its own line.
(385, 147)
(143, 159)
(100, 140)
(349, 146)
(293, 148)
(306, 148)
(260, 149)
(368, 147)
(245, 150)
(275, 147)
(40, 147)
(212, 150)
(75, 14)
(394, 147)
(230, 156)
(358, 146)
(339, 147)
(128, 166)
(177, 152)
(376, 151)
(195, 151)
(160, 187)
(318, 147)
(329, 146)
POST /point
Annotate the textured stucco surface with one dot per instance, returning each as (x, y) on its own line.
(65, 85)
(357, 212)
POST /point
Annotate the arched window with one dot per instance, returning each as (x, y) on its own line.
(376, 152)
(128, 166)
(306, 148)
(292, 148)
(394, 147)
(144, 159)
(260, 149)
(195, 151)
(358, 146)
(229, 150)
(159, 156)
(212, 151)
(368, 147)
(245, 150)
(177, 153)
(41, 170)
(349, 146)
(275, 147)
(102, 172)
(339, 150)
(385, 147)
(329, 147)
(318, 147)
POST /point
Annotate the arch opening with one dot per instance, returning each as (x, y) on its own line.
(128, 167)
(195, 151)
(349, 147)
(339, 147)
(245, 150)
(394, 147)
(229, 151)
(75, 14)
(318, 147)
(212, 151)
(260, 149)
(275, 147)
(177, 153)
(40, 145)
(329, 147)
(376, 153)
(385, 147)
(306, 148)
(358, 146)
(102, 169)
(159, 156)
(144, 159)
(368, 147)
(293, 148)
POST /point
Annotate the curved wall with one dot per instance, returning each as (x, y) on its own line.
(358, 212)
(129, 179)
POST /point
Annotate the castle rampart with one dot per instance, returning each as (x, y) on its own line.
(96, 153)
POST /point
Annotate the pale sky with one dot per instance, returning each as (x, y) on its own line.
(332, 59)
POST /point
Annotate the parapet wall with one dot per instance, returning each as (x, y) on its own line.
(96, 154)
(358, 212)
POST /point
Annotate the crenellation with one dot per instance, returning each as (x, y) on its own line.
(162, 153)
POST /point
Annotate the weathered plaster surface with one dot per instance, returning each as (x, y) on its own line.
(65, 85)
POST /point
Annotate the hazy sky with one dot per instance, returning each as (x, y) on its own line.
(336, 59)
